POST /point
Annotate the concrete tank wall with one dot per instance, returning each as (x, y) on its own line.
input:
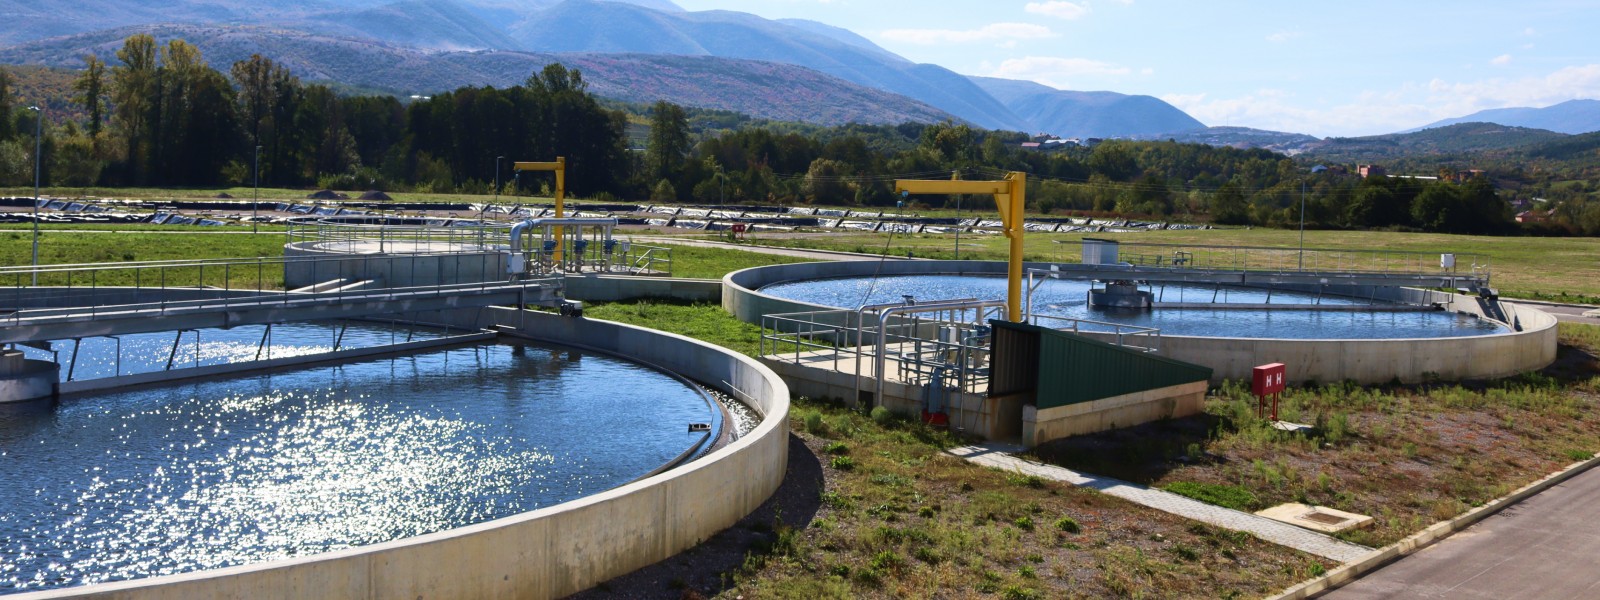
(1363, 361)
(1381, 361)
(595, 287)
(550, 552)
(23, 379)
(309, 265)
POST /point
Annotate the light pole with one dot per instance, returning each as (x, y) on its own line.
(722, 183)
(38, 146)
(1302, 224)
(497, 160)
(255, 205)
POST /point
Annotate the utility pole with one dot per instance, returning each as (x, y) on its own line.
(255, 205)
(38, 146)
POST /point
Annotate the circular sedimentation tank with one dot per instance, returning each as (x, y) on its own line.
(564, 456)
(194, 476)
(1206, 311)
(1361, 334)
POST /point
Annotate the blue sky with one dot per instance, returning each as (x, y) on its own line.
(1327, 69)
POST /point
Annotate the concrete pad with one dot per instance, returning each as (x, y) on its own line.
(1291, 427)
(1316, 518)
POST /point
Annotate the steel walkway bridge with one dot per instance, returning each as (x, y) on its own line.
(92, 300)
(1255, 265)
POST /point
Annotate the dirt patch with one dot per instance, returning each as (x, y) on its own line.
(327, 195)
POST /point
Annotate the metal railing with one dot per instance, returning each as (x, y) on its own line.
(397, 235)
(1132, 337)
(655, 260)
(1279, 259)
(77, 291)
(916, 349)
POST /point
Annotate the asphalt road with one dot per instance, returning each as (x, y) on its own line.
(1547, 546)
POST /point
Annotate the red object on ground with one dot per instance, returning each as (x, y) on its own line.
(936, 419)
(1267, 380)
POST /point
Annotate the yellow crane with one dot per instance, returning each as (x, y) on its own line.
(560, 168)
(1010, 195)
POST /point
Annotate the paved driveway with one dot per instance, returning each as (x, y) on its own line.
(1547, 546)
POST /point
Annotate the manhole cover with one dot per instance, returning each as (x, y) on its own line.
(1323, 518)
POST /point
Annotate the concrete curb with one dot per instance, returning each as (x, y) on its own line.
(1547, 303)
(1422, 539)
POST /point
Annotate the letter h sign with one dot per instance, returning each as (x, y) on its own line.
(1267, 380)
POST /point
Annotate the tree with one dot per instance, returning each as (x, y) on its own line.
(668, 142)
(133, 88)
(1229, 207)
(7, 125)
(663, 192)
(90, 86)
(824, 182)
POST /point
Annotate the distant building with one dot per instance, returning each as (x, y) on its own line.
(1033, 145)
(1535, 216)
(1467, 175)
(1366, 171)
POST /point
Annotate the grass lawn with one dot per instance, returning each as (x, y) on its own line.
(712, 263)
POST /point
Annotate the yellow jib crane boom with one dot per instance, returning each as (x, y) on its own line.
(1010, 195)
(560, 168)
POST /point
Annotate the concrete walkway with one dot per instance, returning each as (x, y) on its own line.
(999, 456)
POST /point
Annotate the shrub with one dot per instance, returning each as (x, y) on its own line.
(882, 416)
(1227, 496)
(813, 423)
(1068, 524)
(842, 463)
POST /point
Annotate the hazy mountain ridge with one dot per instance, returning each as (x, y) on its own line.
(760, 89)
(1087, 114)
(1570, 117)
(590, 26)
(1460, 138)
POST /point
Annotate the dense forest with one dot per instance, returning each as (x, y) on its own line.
(164, 117)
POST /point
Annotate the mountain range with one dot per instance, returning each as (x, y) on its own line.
(407, 46)
(1570, 117)
(637, 51)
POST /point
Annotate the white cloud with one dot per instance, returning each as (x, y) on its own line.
(1054, 71)
(1502, 60)
(1003, 32)
(1529, 32)
(1056, 8)
(1375, 112)
(1283, 36)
